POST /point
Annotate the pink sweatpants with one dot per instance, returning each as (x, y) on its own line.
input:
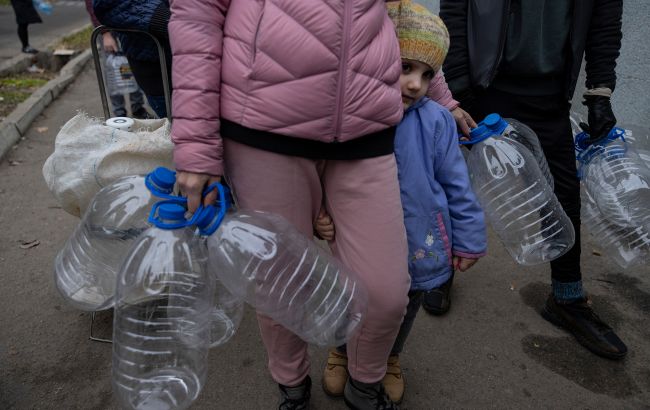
(362, 197)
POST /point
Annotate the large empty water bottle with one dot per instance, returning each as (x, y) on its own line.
(263, 259)
(163, 313)
(86, 268)
(617, 179)
(517, 199)
(523, 134)
(628, 246)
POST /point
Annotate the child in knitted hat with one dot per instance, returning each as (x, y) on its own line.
(444, 222)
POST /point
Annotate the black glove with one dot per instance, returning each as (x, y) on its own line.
(601, 118)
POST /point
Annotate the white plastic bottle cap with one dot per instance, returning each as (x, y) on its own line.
(121, 123)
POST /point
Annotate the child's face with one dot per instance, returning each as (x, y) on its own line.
(414, 81)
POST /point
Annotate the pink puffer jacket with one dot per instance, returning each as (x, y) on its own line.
(324, 70)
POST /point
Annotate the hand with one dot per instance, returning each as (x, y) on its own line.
(601, 118)
(324, 226)
(109, 43)
(464, 121)
(462, 264)
(192, 185)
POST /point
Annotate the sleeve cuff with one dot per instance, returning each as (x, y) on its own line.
(468, 255)
(159, 21)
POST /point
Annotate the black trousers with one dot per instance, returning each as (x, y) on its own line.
(548, 116)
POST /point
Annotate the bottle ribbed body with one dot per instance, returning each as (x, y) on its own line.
(618, 181)
(524, 135)
(162, 323)
(86, 268)
(518, 201)
(263, 259)
(628, 246)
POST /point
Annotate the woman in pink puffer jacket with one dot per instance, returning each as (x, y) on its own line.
(296, 101)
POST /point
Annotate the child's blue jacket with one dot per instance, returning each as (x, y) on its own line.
(441, 213)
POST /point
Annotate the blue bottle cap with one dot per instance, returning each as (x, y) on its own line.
(171, 212)
(495, 123)
(480, 133)
(163, 179)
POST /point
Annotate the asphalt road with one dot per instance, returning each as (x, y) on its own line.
(66, 16)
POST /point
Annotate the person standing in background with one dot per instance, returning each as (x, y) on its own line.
(521, 58)
(111, 46)
(26, 14)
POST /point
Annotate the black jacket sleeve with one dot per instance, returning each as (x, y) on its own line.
(456, 66)
(603, 43)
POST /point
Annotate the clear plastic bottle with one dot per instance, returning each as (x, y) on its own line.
(264, 260)
(517, 199)
(523, 134)
(163, 312)
(119, 77)
(86, 268)
(628, 246)
(617, 179)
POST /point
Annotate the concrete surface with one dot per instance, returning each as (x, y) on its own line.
(66, 16)
(493, 350)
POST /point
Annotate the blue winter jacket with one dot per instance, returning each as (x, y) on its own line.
(441, 213)
(145, 15)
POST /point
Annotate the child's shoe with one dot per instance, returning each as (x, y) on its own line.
(438, 300)
(367, 396)
(29, 50)
(335, 374)
(295, 398)
(394, 380)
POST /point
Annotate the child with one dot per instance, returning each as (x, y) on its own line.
(444, 223)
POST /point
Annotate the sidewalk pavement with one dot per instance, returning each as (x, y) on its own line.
(66, 16)
(492, 350)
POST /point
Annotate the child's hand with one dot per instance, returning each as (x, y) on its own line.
(324, 226)
(462, 264)
(464, 121)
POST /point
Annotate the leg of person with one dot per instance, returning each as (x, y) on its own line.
(23, 35)
(290, 187)
(362, 197)
(437, 301)
(137, 105)
(119, 105)
(157, 103)
(394, 379)
(567, 305)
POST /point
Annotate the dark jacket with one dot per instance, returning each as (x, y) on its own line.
(151, 16)
(478, 30)
(25, 12)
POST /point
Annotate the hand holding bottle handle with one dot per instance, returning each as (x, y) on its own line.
(192, 185)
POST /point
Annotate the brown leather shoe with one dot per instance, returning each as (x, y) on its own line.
(335, 374)
(394, 380)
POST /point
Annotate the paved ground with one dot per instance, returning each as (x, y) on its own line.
(66, 16)
(492, 351)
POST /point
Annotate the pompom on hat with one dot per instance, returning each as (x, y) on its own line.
(422, 35)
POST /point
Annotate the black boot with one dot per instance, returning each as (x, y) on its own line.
(367, 396)
(295, 398)
(438, 300)
(589, 330)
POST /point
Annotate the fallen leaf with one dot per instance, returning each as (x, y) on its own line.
(41, 129)
(14, 163)
(29, 244)
(595, 252)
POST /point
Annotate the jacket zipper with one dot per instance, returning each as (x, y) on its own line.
(502, 41)
(338, 121)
